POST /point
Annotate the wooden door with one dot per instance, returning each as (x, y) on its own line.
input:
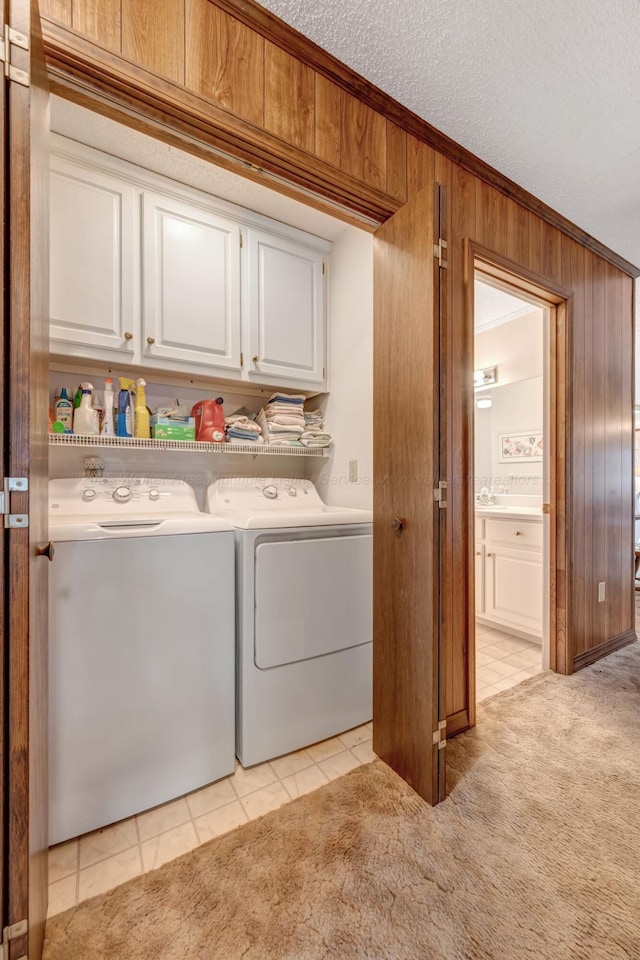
(25, 393)
(284, 297)
(191, 271)
(409, 289)
(95, 257)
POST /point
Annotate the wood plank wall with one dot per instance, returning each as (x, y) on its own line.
(286, 108)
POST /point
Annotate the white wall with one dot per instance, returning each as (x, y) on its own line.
(517, 408)
(515, 348)
(349, 405)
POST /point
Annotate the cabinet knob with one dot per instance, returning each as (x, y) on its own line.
(151, 341)
(255, 359)
(518, 533)
(48, 551)
(128, 336)
(489, 554)
(478, 553)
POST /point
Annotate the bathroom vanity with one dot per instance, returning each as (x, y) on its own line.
(509, 568)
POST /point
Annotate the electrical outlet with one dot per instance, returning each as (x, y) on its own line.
(601, 592)
(353, 471)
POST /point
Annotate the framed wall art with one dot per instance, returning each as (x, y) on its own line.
(521, 447)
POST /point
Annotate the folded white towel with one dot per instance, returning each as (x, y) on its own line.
(244, 422)
(285, 420)
(315, 439)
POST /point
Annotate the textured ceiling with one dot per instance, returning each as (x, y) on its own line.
(493, 306)
(547, 91)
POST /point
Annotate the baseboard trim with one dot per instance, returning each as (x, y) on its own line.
(587, 657)
(457, 722)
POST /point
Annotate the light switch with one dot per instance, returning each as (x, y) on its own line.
(353, 471)
(601, 592)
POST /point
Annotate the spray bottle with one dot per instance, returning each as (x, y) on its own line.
(85, 420)
(125, 412)
(142, 421)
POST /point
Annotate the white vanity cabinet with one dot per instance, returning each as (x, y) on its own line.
(151, 272)
(511, 580)
(93, 263)
(284, 309)
(190, 287)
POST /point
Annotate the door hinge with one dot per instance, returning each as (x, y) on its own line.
(323, 269)
(241, 241)
(440, 735)
(440, 494)
(11, 38)
(16, 930)
(242, 359)
(439, 249)
(13, 485)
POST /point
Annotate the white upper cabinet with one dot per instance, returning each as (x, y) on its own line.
(191, 286)
(284, 310)
(149, 272)
(93, 259)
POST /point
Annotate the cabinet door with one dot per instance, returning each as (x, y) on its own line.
(284, 297)
(513, 587)
(191, 286)
(93, 263)
(479, 590)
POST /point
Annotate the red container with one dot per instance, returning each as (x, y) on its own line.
(209, 417)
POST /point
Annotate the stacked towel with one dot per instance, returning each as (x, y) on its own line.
(314, 434)
(282, 420)
(242, 428)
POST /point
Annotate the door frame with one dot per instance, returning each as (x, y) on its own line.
(559, 301)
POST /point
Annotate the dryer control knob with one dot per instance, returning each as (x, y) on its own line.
(88, 495)
(293, 492)
(270, 492)
(154, 494)
(122, 494)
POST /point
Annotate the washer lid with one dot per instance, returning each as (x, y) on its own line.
(117, 507)
(251, 503)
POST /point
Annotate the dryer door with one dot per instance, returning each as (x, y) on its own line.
(313, 597)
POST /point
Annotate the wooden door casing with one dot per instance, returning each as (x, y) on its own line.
(406, 467)
(28, 132)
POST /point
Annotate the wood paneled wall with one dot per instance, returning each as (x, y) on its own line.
(237, 79)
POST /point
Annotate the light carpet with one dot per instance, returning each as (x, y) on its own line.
(535, 854)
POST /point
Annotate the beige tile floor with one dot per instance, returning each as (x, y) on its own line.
(96, 862)
(503, 660)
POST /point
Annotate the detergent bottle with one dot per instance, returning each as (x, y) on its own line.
(124, 422)
(209, 417)
(142, 420)
(63, 411)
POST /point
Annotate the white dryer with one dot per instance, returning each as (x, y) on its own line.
(304, 614)
(142, 649)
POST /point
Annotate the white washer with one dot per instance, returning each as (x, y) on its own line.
(304, 615)
(142, 641)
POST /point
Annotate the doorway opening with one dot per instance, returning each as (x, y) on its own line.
(514, 443)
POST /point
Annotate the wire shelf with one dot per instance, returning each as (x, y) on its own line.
(185, 446)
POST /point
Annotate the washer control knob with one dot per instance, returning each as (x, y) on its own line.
(154, 494)
(293, 492)
(270, 492)
(122, 494)
(88, 495)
